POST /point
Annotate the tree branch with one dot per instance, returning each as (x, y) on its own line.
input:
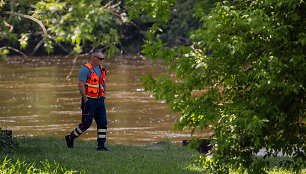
(8, 25)
(28, 17)
(14, 49)
(37, 46)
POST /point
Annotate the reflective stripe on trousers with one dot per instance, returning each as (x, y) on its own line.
(101, 135)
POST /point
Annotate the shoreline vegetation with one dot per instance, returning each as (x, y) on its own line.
(50, 155)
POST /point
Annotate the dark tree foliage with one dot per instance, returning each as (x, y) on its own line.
(181, 22)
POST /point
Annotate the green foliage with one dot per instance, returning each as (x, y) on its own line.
(243, 78)
(156, 10)
(273, 166)
(2, 3)
(13, 27)
(3, 53)
(174, 19)
(74, 26)
(65, 27)
(181, 21)
(10, 167)
(71, 22)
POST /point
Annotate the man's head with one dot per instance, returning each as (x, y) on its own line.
(97, 57)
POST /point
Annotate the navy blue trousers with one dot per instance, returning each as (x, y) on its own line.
(93, 109)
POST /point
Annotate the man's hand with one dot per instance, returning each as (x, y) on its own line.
(82, 90)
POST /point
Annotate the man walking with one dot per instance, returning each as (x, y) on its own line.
(92, 88)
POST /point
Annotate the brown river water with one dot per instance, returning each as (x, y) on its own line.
(36, 99)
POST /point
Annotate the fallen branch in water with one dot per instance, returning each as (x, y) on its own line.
(74, 61)
(72, 68)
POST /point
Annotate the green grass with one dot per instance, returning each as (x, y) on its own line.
(50, 155)
(84, 158)
(9, 167)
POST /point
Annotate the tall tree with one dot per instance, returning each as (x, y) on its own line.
(243, 78)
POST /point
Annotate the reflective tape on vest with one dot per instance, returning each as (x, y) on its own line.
(101, 136)
(101, 130)
(90, 96)
(95, 86)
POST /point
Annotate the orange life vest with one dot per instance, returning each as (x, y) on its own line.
(94, 85)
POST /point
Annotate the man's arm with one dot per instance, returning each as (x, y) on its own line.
(82, 90)
(104, 87)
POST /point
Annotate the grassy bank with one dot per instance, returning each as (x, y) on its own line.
(50, 155)
(37, 153)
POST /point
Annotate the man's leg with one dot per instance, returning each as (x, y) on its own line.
(100, 118)
(87, 116)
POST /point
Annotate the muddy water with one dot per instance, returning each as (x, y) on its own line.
(37, 99)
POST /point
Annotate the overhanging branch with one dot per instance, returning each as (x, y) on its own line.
(41, 26)
(28, 17)
(14, 49)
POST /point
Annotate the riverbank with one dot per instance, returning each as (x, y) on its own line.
(50, 155)
(84, 158)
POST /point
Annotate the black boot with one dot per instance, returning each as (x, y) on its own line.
(69, 141)
(102, 148)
